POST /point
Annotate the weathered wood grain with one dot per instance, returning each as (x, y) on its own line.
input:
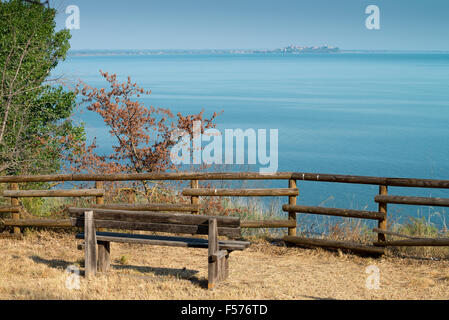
(194, 200)
(53, 193)
(155, 217)
(213, 266)
(388, 181)
(90, 241)
(416, 201)
(38, 223)
(441, 242)
(334, 244)
(149, 176)
(104, 255)
(15, 202)
(168, 207)
(292, 202)
(241, 192)
(347, 213)
(232, 232)
(230, 245)
(10, 209)
(382, 224)
(268, 224)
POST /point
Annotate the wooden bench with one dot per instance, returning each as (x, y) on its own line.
(213, 226)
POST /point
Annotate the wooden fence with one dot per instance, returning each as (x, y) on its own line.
(195, 193)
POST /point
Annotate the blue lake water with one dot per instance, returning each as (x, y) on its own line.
(363, 114)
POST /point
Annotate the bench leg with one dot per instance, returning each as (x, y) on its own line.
(213, 269)
(225, 267)
(220, 268)
(213, 272)
(104, 256)
(90, 242)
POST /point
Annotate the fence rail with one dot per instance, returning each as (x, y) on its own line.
(149, 176)
(53, 193)
(416, 201)
(240, 192)
(195, 192)
(347, 213)
(10, 209)
(386, 181)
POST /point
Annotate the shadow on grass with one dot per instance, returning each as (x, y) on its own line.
(54, 263)
(184, 273)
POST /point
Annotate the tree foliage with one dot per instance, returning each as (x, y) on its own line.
(143, 133)
(34, 109)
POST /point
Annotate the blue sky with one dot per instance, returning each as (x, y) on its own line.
(232, 24)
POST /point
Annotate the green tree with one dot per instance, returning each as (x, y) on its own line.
(35, 109)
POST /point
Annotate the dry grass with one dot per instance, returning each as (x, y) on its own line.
(34, 268)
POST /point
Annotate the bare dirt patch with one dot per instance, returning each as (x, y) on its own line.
(35, 268)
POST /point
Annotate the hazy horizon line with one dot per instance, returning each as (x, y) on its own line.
(251, 49)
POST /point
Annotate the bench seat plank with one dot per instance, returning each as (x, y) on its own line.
(158, 227)
(230, 245)
(155, 217)
(165, 207)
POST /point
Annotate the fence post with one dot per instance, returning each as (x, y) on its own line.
(383, 190)
(100, 199)
(195, 200)
(103, 248)
(130, 196)
(99, 185)
(292, 201)
(15, 202)
(90, 242)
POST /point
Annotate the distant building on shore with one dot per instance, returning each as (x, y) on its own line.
(291, 49)
(297, 49)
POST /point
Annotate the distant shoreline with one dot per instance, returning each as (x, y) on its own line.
(93, 52)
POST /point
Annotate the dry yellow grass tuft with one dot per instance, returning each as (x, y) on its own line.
(35, 268)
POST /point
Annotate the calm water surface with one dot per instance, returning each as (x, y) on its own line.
(362, 114)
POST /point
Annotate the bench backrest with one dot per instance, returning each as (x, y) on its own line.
(156, 221)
